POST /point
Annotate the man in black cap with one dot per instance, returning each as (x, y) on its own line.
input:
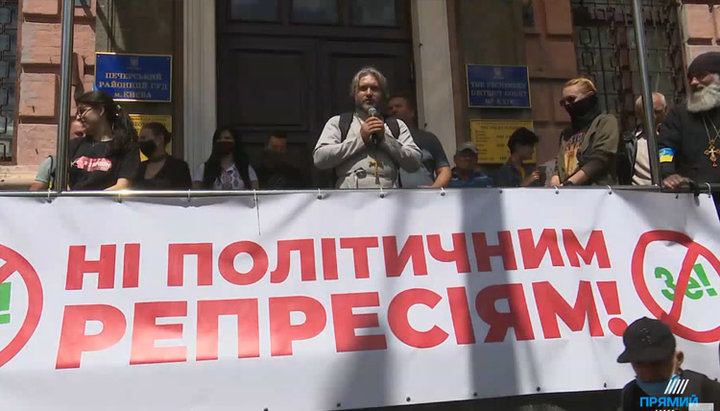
(689, 139)
(650, 348)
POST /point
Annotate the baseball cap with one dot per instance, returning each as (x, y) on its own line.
(647, 340)
(469, 145)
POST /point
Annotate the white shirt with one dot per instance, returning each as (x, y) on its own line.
(229, 179)
(642, 176)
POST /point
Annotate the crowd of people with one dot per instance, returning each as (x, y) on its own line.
(380, 144)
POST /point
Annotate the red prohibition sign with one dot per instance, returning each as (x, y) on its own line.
(14, 262)
(672, 318)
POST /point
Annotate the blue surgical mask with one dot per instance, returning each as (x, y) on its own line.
(655, 389)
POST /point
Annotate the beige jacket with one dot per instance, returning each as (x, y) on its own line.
(360, 165)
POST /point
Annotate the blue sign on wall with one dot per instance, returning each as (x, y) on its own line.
(134, 77)
(498, 86)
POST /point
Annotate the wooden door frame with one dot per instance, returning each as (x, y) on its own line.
(199, 73)
(228, 30)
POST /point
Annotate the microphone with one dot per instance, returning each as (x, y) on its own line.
(372, 112)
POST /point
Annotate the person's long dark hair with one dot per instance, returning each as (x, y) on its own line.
(123, 131)
(212, 165)
(158, 129)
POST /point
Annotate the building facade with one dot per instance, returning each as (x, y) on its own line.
(265, 65)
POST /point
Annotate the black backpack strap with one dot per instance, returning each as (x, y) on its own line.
(394, 127)
(346, 120)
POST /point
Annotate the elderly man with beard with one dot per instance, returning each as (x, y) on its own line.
(365, 150)
(689, 141)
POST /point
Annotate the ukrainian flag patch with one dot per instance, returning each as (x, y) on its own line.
(666, 155)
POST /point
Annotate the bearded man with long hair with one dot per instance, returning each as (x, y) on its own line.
(689, 140)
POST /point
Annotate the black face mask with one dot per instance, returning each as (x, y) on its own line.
(581, 108)
(148, 147)
(274, 159)
(224, 147)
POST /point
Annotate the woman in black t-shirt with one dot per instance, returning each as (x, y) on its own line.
(107, 158)
(160, 171)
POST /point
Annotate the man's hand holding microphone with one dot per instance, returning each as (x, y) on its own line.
(373, 128)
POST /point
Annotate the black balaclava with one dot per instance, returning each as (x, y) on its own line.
(583, 112)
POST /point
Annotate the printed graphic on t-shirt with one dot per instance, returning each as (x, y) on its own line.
(229, 179)
(90, 164)
(571, 150)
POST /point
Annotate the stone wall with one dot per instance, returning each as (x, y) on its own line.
(40, 36)
(551, 60)
(701, 24)
(501, 32)
(142, 27)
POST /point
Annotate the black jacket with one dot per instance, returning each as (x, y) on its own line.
(626, 156)
(683, 141)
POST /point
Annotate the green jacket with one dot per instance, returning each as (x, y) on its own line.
(596, 154)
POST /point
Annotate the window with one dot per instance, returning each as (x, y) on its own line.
(315, 11)
(254, 10)
(606, 52)
(374, 13)
(8, 76)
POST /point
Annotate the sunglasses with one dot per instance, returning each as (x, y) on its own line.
(81, 113)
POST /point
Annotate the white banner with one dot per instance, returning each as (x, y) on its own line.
(352, 300)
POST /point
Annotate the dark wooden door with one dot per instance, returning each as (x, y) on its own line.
(282, 70)
(340, 60)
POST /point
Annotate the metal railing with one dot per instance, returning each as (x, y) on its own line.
(697, 189)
